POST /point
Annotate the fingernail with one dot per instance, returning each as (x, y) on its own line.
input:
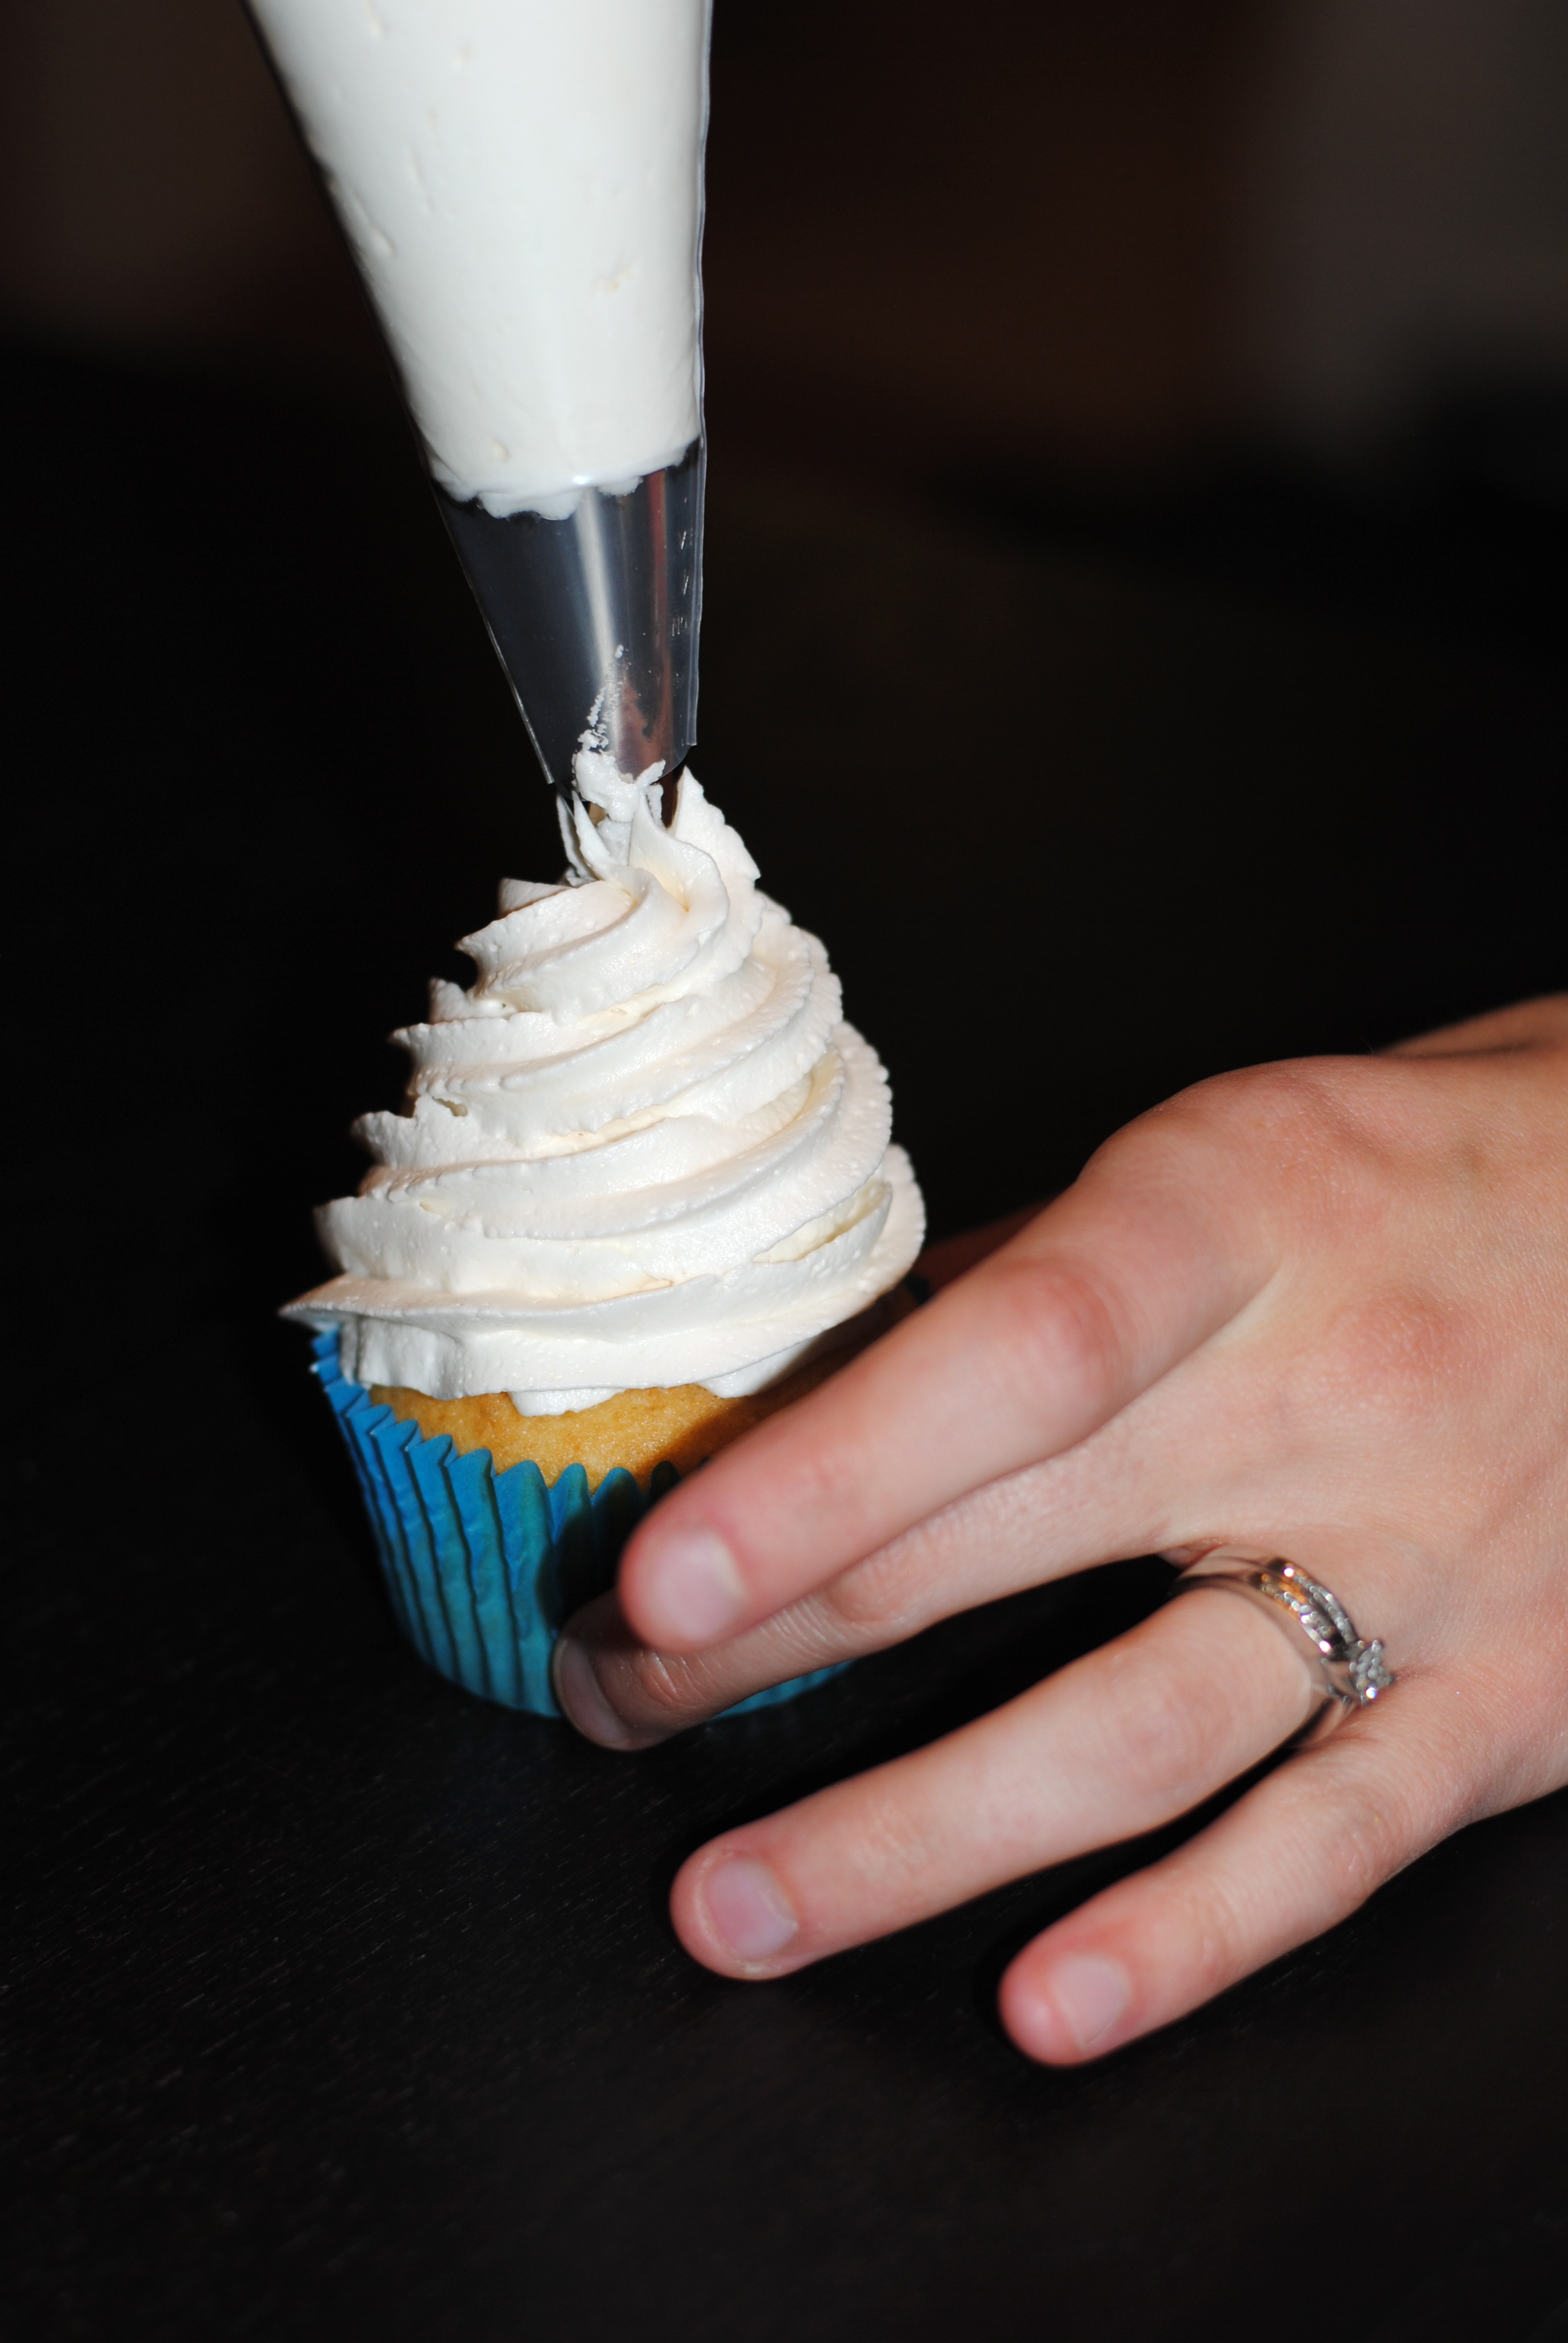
(697, 1589)
(748, 1909)
(1088, 1994)
(578, 1690)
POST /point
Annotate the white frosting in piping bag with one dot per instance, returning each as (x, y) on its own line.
(641, 1149)
(521, 181)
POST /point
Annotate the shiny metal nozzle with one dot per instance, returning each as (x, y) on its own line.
(595, 616)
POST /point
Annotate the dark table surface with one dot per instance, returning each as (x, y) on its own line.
(341, 2003)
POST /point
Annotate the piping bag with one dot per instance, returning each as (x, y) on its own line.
(520, 184)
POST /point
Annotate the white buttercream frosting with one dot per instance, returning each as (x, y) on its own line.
(641, 1149)
(521, 182)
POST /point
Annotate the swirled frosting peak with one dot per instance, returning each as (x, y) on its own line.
(642, 1147)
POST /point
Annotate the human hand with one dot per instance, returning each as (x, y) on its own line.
(1317, 1309)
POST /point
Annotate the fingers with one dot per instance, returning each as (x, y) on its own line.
(1300, 1852)
(1114, 1744)
(618, 1693)
(1096, 1299)
(1175, 1468)
(1019, 1531)
(624, 1695)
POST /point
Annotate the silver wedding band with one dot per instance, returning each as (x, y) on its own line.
(1352, 1674)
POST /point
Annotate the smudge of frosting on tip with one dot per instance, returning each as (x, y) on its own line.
(642, 1147)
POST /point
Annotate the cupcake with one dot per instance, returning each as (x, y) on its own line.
(640, 1196)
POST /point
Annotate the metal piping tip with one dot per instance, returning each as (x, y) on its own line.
(595, 616)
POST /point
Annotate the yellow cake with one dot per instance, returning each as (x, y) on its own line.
(681, 1425)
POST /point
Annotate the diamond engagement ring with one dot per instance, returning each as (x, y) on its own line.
(1352, 1674)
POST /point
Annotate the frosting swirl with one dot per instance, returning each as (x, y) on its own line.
(642, 1147)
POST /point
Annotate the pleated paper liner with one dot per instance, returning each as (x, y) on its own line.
(483, 1567)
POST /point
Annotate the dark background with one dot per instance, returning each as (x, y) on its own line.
(1135, 609)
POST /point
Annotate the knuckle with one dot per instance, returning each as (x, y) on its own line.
(1367, 1847)
(1296, 1104)
(868, 1599)
(1295, 1123)
(657, 1691)
(1290, 1104)
(1058, 1327)
(1168, 1730)
(1377, 1821)
(892, 1847)
(1217, 1940)
(826, 1477)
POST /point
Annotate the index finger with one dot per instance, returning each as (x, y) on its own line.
(1135, 1266)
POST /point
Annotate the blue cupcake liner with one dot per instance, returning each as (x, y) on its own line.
(482, 1567)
